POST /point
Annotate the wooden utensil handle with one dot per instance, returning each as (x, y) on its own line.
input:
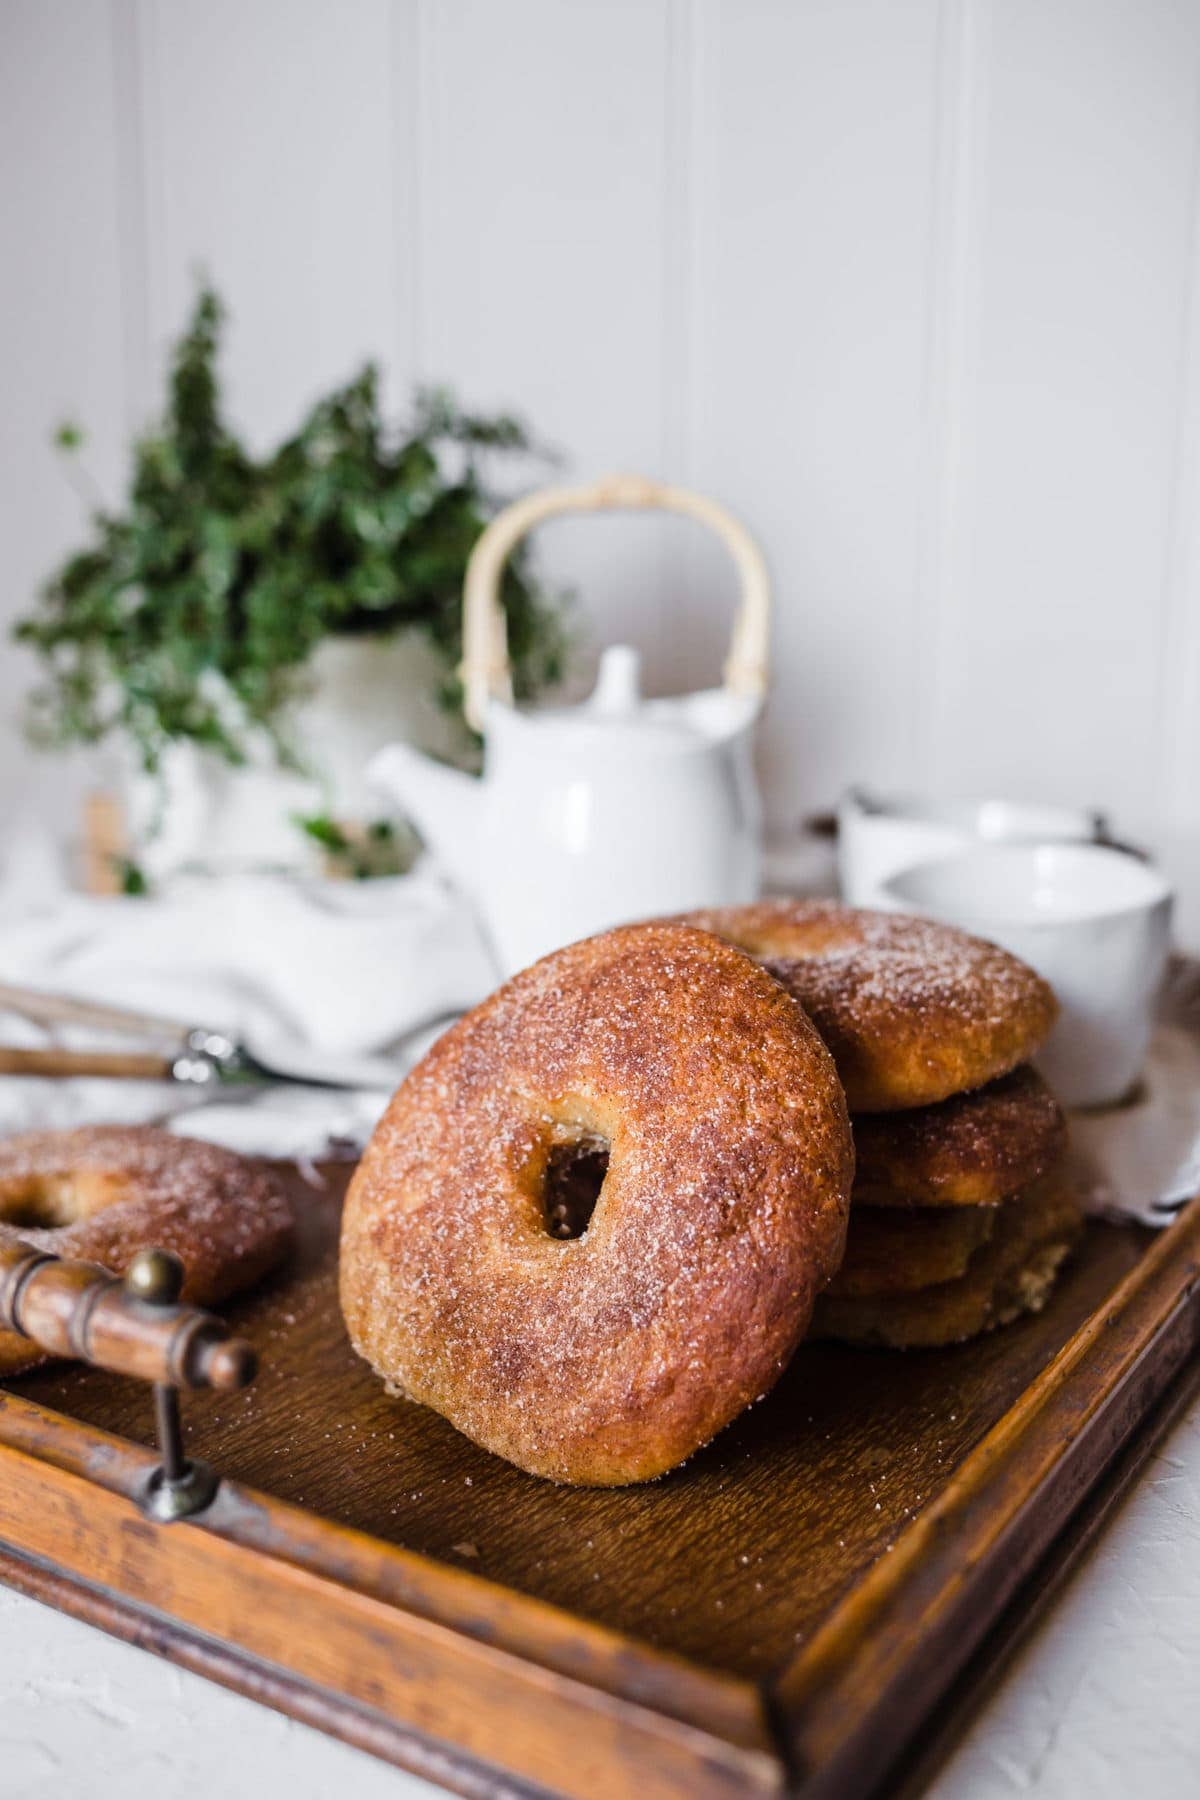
(485, 670)
(61, 1009)
(128, 1065)
(78, 1310)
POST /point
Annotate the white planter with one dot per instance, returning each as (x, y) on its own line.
(363, 693)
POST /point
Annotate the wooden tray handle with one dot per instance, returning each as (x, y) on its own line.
(485, 670)
(133, 1327)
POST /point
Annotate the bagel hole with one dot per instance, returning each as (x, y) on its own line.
(48, 1202)
(571, 1186)
(42, 1203)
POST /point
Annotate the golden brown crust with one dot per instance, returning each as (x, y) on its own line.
(1010, 1275)
(971, 1150)
(891, 1252)
(104, 1192)
(912, 1010)
(610, 1357)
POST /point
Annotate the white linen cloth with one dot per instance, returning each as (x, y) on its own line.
(1142, 1160)
(341, 968)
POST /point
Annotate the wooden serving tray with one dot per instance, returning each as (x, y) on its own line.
(783, 1615)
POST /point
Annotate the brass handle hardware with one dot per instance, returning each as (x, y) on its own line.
(133, 1327)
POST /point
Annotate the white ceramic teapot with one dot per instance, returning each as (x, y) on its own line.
(617, 809)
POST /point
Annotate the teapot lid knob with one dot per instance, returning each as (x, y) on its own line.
(618, 686)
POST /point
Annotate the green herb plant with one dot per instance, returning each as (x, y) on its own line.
(192, 613)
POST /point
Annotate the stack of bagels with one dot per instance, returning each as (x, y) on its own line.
(961, 1212)
(600, 1215)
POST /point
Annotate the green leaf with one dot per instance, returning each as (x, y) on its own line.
(192, 614)
(133, 878)
(324, 831)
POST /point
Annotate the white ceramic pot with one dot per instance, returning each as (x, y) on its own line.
(362, 693)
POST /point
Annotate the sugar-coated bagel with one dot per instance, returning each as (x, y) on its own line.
(608, 1357)
(892, 1252)
(1011, 1274)
(971, 1150)
(912, 1010)
(104, 1192)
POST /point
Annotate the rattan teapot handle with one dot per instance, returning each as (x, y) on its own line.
(485, 669)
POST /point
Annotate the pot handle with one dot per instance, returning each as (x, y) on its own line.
(485, 670)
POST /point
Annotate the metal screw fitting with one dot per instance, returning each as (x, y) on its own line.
(155, 1276)
(179, 1487)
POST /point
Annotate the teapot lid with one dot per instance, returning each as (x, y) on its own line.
(618, 689)
(617, 707)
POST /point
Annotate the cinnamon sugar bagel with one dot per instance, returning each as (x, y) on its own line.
(1011, 1274)
(105, 1192)
(602, 1350)
(912, 1010)
(902, 1252)
(971, 1150)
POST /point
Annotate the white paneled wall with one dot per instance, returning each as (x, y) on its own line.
(63, 346)
(910, 283)
(273, 161)
(546, 194)
(1054, 629)
(816, 127)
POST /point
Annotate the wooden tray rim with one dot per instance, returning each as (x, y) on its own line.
(915, 1612)
(827, 1722)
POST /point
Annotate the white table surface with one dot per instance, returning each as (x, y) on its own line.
(1104, 1701)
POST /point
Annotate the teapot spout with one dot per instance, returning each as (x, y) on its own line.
(442, 802)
